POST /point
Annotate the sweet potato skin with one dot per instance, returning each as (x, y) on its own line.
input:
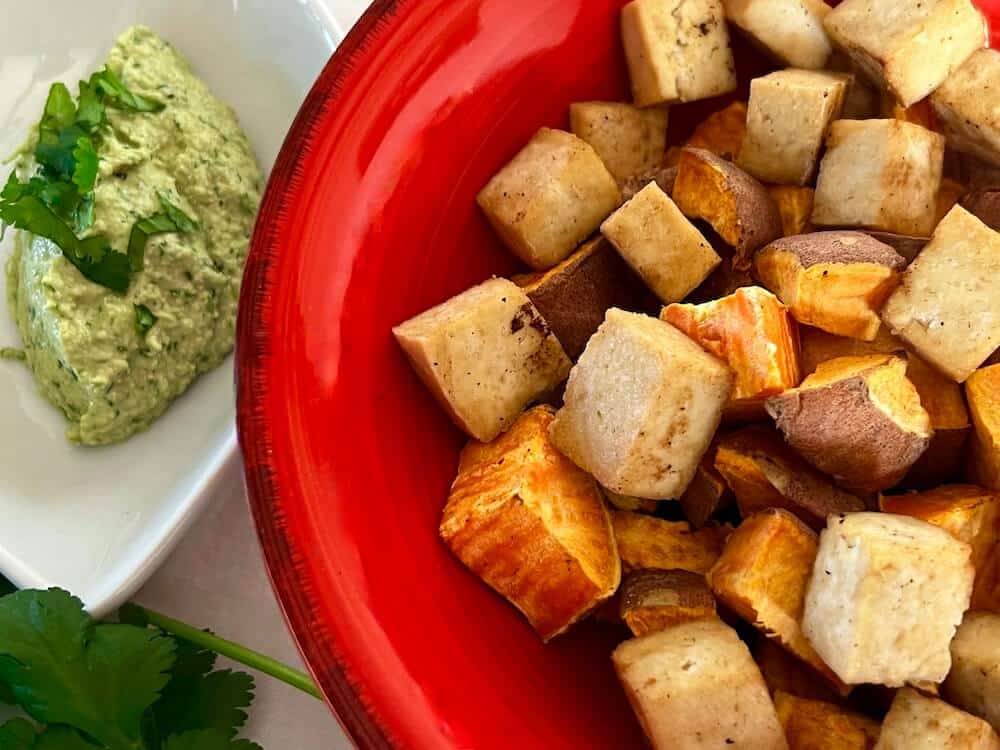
(653, 600)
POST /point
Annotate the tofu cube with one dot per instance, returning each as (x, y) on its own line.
(533, 526)
(947, 307)
(549, 198)
(982, 390)
(880, 174)
(907, 46)
(694, 686)
(663, 247)
(485, 355)
(886, 595)
(788, 116)
(974, 681)
(677, 50)
(791, 30)
(641, 406)
(920, 722)
(968, 106)
(629, 140)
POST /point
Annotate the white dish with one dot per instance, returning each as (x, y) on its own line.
(98, 521)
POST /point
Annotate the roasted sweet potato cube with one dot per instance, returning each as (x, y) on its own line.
(629, 140)
(982, 390)
(947, 307)
(764, 473)
(677, 53)
(791, 30)
(628, 502)
(648, 542)
(664, 178)
(818, 725)
(752, 332)
(722, 282)
(920, 722)
(858, 419)
(694, 686)
(795, 204)
(788, 674)
(573, 296)
(834, 280)
(974, 681)
(919, 113)
(818, 346)
(663, 247)
(908, 46)
(737, 207)
(533, 526)
(984, 204)
(966, 106)
(707, 494)
(942, 399)
(879, 174)
(761, 575)
(907, 245)
(652, 600)
(722, 132)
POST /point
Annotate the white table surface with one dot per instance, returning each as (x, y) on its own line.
(216, 578)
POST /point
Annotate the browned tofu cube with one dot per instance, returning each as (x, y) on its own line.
(694, 686)
(909, 46)
(458, 347)
(629, 140)
(653, 600)
(788, 117)
(677, 52)
(533, 526)
(919, 722)
(791, 30)
(764, 472)
(968, 106)
(663, 247)
(573, 296)
(859, 419)
(982, 390)
(974, 681)
(549, 198)
(879, 174)
(762, 576)
(948, 305)
(722, 132)
(645, 542)
(818, 725)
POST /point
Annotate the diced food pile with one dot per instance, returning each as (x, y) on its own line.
(744, 404)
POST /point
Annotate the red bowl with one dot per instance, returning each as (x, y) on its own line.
(370, 218)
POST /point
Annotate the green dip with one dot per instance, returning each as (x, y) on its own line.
(81, 340)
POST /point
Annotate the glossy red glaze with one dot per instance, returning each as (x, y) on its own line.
(369, 219)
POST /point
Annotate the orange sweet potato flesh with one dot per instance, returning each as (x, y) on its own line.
(647, 542)
(982, 390)
(652, 600)
(919, 113)
(942, 398)
(795, 204)
(817, 725)
(817, 346)
(722, 132)
(784, 672)
(751, 331)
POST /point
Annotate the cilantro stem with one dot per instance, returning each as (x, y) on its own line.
(235, 651)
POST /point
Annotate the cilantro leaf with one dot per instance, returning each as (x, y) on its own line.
(60, 738)
(91, 113)
(59, 110)
(213, 701)
(118, 95)
(17, 734)
(172, 219)
(85, 167)
(207, 739)
(64, 669)
(144, 319)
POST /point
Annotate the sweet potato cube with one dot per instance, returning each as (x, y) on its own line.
(818, 725)
(791, 30)
(764, 473)
(982, 390)
(549, 198)
(907, 245)
(788, 674)
(942, 399)
(648, 542)
(653, 600)
(738, 208)
(858, 419)
(458, 347)
(984, 204)
(533, 526)
(880, 174)
(722, 132)
(627, 502)
(919, 722)
(974, 681)
(908, 46)
(677, 53)
(573, 296)
(795, 204)
(788, 116)
(722, 282)
(836, 281)
(947, 307)
(629, 140)
(818, 346)
(885, 597)
(694, 686)
(761, 575)
(919, 113)
(664, 178)
(663, 247)
(967, 106)
(707, 494)
(752, 332)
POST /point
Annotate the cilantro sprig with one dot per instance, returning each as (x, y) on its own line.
(57, 202)
(147, 682)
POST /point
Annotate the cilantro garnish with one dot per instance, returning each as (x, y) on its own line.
(144, 319)
(57, 203)
(171, 219)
